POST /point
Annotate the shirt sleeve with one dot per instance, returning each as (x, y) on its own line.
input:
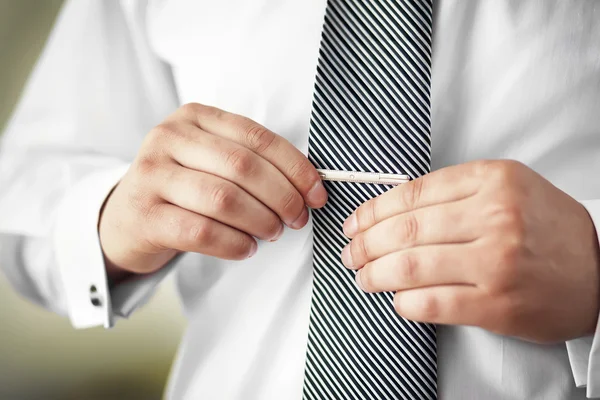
(584, 353)
(95, 92)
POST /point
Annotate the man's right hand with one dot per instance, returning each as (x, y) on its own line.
(209, 182)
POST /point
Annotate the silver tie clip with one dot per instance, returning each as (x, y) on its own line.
(362, 177)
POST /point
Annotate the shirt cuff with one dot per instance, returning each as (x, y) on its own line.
(130, 295)
(78, 252)
(584, 353)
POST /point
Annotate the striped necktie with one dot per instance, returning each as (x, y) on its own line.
(371, 112)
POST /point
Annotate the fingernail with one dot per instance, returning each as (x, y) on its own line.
(301, 220)
(317, 195)
(347, 257)
(359, 281)
(253, 249)
(351, 225)
(277, 235)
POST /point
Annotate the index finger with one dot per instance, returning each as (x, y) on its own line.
(442, 186)
(278, 151)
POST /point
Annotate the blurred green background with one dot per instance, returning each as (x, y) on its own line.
(41, 355)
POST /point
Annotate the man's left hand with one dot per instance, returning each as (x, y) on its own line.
(489, 244)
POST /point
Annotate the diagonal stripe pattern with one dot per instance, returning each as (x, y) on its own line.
(371, 112)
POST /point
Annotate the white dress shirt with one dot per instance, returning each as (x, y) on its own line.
(515, 79)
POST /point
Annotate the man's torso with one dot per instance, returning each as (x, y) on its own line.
(511, 79)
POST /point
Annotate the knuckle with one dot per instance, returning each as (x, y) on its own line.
(161, 138)
(510, 251)
(507, 219)
(498, 171)
(481, 167)
(258, 137)
(507, 271)
(197, 233)
(223, 197)
(408, 269)
(192, 108)
(240, 162)
(409, 228)
(410, 194)
(504, 270)
(513, 166)
(291, 203)
(213, 113)
(198, 112)
(300, 169)
(365, 214)
(513, 220)
(147, 164)
(164, 131)
(505, 215)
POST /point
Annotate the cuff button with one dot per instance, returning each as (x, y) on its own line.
(96, 302)
(95, 297)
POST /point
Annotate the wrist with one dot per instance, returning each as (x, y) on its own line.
(142, 265)
(592, 209)
(114, 274)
